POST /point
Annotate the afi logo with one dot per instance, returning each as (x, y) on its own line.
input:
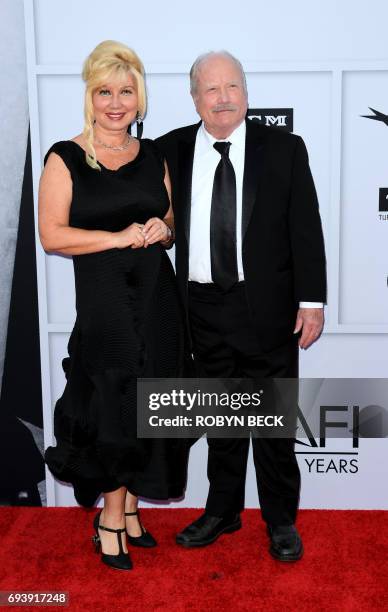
(349, 421)
(383, 192)
(276, 117)
(368, 422)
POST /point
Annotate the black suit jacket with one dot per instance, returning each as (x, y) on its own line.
(282, 248)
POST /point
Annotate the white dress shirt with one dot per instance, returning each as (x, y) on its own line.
(206, 160)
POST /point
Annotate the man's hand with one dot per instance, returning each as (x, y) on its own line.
(310, 321)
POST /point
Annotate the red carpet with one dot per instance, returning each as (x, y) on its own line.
(345, 566)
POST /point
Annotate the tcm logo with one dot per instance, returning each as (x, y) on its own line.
(276, 117)
(383, 200)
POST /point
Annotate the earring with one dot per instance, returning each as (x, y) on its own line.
(139, 125)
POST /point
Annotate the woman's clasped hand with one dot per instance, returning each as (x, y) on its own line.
(139, 235)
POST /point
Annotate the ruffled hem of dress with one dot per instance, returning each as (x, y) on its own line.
(78, 468)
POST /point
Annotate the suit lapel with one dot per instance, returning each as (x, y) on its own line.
(253, 168)
(186, 157)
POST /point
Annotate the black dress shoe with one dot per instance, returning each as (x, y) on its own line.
(206, 529)
(121, 561)
(145, 540)
(286, 543)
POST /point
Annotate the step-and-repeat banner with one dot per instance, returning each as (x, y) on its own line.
(320, 71)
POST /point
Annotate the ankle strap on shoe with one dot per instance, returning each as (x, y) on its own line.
(131, 513)
(111, 530)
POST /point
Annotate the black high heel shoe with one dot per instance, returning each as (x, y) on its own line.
(122, 560)
(145, 540)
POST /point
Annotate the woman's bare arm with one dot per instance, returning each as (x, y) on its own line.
(55, 195)
(156, 230)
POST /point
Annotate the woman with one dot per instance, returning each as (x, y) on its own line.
(105, 199)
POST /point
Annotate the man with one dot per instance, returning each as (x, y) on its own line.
(250, 266)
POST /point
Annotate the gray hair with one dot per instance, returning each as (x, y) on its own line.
(203, 58)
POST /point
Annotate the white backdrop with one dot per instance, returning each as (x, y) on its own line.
(327, 61)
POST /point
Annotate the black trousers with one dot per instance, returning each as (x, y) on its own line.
(225, 346)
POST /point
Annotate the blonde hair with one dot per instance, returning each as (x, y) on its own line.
(108, 59)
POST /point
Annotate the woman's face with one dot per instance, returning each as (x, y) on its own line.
(115, 103)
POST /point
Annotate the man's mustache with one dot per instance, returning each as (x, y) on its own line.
(224, 107)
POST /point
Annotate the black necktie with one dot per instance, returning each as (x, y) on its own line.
(223, 250)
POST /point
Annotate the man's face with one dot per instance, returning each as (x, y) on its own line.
(220, 98)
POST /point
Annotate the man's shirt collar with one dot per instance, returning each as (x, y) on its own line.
(237, 137)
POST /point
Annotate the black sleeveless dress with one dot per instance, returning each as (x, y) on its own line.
(129, 325)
